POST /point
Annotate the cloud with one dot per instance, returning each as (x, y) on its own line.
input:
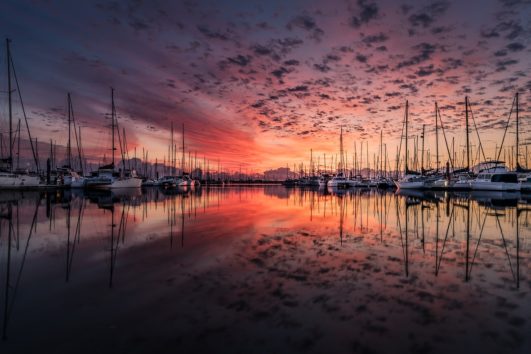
(515, 47)
(378, 38)
(367, 11)
(425, 51)
(428, 14)
(308, 24)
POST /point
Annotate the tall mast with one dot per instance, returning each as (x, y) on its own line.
(10, 107)
(69, 146)
(422, 150)
(517, 136)
(183, 150)
(467, 138)
(311, 161)
(436, 137)
(407, 108)
(172, 151)
(381, 153)
(112, 123)
(341, 150)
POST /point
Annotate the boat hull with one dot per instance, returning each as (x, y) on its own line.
(495, 186)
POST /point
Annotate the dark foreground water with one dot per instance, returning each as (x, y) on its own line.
(265, 270)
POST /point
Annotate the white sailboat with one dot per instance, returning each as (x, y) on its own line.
(411, 179)
(106, 177)
(339, 180)
(9, 178)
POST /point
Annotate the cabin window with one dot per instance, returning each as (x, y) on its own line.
(505, 178)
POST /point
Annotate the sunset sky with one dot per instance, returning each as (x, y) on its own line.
(261, 83)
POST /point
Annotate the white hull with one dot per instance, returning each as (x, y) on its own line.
(338, 184)
(409, 185)
(131, 182)
(494, 186)
(12, 181)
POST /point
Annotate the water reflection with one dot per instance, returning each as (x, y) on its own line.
(387, 252)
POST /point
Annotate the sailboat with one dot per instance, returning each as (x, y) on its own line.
(10, 179)
(411, 179)
(494, 175)
(461, 179)
(339, 180)
(70, 178)
(171, 180)
(106, 177)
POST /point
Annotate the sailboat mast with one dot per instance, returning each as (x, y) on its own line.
(341, 150)
(467, 138)
(183, 157)
(172, 151)
(112, 124)
(517, 136)
(436, 137)
(381, 153)
(69, 146)
(422, 150)
(407, 108)
(10, 106)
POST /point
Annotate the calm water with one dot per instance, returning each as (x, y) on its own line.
(265, 270)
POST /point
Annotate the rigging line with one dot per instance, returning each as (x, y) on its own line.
(19, 276)
(444, 135)
(33, 150)
(506, 128)
(477, 131)
(505, 246)
(444, 242)
(477, 245)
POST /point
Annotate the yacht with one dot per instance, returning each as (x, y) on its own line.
(323, 179)
(107, 178)
(411, 181)
(494, 176)
(338, 181)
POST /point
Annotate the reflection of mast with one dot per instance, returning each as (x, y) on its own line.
(438, 257)
(182, 221)
(467, 238)
(341, 217)
(8, 270)
(8, 306)
(77, 235)
(115, 241)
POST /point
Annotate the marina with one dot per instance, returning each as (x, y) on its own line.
(265, 177)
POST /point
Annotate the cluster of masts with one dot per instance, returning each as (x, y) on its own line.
(74, 171)
(473, 171)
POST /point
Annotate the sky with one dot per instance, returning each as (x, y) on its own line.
(260, 84)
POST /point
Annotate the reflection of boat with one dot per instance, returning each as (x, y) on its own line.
(336, 190)
(496, 198)
(182, 189)
(106, 198)
(420, 194)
